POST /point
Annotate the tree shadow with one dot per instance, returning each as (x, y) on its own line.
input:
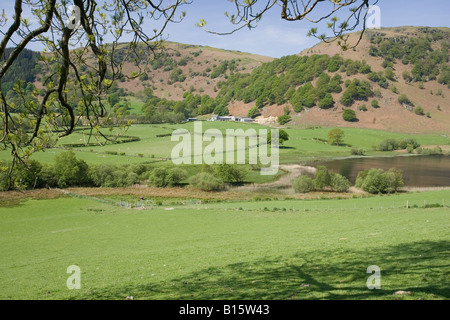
(419, 267)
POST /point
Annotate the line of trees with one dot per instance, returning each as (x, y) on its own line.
(324, 180)
(373, 181)
(69, 171)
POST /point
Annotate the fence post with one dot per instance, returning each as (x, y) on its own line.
(407, 204)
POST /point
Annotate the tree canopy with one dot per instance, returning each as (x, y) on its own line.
(76, 62)
(84, 54)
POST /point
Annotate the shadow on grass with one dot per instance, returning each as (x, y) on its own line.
(420, 267)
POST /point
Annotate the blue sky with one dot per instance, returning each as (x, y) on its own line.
(275, 37)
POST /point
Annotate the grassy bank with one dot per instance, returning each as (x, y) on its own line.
(288, 249)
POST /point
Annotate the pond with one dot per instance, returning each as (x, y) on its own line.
(418, 171)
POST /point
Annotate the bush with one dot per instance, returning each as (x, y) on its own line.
(349, 115)
(158, 178)
(357, 152)
(206, 182)
(70, 171)
(379, 181)
(336, 136)
(253, 112)
(388, 145)
(393, 144)
(282, 136)
(431, 152)
(362, 108)
(284, 119)
(322, 178)
(303, 184)
(327, 102)
(23, 176)
(419, 111)
(404, 143)
(230, 173)
(175, 176)
(339, 183)
(162, 177)
(374, 104)
(357, 90)
(403, 99)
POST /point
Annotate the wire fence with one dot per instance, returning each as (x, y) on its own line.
(274, 205)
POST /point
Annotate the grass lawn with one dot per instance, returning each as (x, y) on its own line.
(302, 146)
(288, 249)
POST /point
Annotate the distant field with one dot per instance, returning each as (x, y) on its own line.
(289, 249)
(303, 144)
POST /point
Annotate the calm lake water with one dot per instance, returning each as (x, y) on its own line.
(418, 171)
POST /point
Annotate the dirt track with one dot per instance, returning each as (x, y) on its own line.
(285, 182)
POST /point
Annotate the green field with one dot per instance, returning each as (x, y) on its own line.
(289, 249)
(303, 145)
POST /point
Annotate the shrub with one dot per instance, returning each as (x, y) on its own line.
(322, 178)
(403, 99)
(253, 112)
(339, 183)
(404, 143)
(388, 145)
(419, 111)
(431, 151)
(349, 115)
(357, 152)
(336, 136)
(158, 177)
(175, 176)
(379, 181)
(373, 76)
(393, 144)
(162, 177)
(282, 136)
(23, 176)
(206, 182)
(374, 103)
(357, 90)
(230, 173)
(71, 171)
(303, 184)
(327, 102)
(394, 89)
(284, 119)
(362, 108)
(407, 76)
(389, 73)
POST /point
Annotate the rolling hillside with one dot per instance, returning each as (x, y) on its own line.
(201, 68)
(391, 115)
(396, 79)
(404, 62)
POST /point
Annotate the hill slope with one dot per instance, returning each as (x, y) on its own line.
(428, 91)
(317, 85)
(396, 79)
(200, 67)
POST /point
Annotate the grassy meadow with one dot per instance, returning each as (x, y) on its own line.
(155, 145)
(291, 249)
(226, 249)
